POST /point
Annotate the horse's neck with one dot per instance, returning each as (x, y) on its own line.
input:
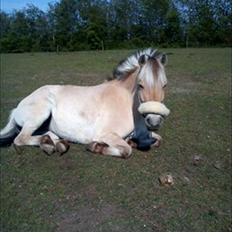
(130, 82)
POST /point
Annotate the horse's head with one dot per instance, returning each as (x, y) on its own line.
(146, 68)
(151, 79)
(151, 82)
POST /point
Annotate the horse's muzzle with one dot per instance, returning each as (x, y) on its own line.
(153, 121)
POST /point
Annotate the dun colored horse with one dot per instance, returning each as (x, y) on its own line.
(101, 116)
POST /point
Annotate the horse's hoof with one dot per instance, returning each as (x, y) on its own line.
(47, 145)
(62, 147)
(157, 143)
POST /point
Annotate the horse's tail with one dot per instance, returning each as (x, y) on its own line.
(9, 132)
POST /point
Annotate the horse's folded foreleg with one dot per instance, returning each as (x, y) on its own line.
(111, 144)
(154, 135)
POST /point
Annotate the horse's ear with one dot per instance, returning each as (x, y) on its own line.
(163, 59)
(142, 59)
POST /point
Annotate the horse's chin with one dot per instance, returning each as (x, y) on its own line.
(153, 121)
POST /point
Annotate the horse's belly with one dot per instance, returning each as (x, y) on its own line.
(89, 129)
(77, 130)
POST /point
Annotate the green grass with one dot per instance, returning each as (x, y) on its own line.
(81, 191)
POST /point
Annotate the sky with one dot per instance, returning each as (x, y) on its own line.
(9, 5)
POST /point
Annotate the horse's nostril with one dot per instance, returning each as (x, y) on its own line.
(150, 121)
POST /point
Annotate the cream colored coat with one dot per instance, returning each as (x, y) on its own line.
(97, 115)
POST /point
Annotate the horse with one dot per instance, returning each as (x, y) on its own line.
(102, 116)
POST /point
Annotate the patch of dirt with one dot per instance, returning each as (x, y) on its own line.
(88, 218)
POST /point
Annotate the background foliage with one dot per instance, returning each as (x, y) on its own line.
(71, 25)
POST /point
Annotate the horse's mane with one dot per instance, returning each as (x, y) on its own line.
(129, 64)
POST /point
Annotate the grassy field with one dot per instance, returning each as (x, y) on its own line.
(84, 192)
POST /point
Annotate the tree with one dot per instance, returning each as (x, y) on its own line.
(65, 22)
(172, 28)
(222, 10)
(94, 22)
(154, 13)
(38, 28)
(71, 25)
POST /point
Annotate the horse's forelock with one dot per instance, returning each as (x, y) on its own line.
(153, 71)
(147, 75)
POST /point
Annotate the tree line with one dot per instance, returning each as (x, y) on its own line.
(72, 25)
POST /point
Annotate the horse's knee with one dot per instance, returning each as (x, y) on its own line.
(125, 151)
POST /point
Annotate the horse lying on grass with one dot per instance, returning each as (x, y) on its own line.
(105, 117)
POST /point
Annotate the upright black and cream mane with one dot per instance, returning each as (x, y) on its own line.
(131, 63)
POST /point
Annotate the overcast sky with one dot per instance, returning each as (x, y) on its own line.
(10, 5)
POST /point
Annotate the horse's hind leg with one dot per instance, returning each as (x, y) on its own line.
(26, 137)
(48, 142)
(111, 144)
